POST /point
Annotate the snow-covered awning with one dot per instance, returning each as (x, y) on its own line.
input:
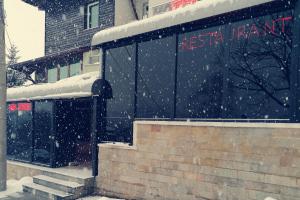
(201, 10)
(69, 88)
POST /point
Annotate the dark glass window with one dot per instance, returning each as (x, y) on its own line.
(200, 74)
(19, 131)
(120, 72)
(43, 131)
(259, 67)
(156, 78)
(240, 70)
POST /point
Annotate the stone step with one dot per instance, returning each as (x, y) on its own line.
(45, 193)
(58, 184)
(84, 180)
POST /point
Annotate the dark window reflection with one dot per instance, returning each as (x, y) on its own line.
(200, 74)
(240, 70)
(120, 72)
(259, 67)
(156, 78)
(43, 131)
(19, 131)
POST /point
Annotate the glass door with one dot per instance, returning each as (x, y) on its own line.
(43, 135)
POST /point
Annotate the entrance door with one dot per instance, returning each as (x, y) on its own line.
(43, 134)
(73, 136)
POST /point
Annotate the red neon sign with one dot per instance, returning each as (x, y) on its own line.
(175, 4)
(246, 31)
(12, 107)
(24, 106)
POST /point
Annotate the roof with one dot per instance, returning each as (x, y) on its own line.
(69, 88)
(41, 4)
(34, 64)
(201, 10)
(51, 4)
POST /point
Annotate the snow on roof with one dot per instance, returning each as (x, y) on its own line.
(200, 10)
(73, 87)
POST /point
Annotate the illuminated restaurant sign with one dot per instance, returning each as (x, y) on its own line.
(243, 31)
(171, 5)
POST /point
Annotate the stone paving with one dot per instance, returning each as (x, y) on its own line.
(19, 196)
(27, 196)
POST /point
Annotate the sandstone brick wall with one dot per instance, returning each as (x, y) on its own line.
(16, 170)
(226, 161)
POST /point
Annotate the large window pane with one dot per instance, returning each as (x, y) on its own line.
(259, 67)
(93, 10)
(52, 75)
(43, 132)
(240, 70)
(19, 131)
(64, 72)
(156, 78)
(120, 72)
(75, 69)
(200, 78)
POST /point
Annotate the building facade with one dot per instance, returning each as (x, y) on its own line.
(69, 27)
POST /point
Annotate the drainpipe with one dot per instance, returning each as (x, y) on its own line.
(3, 166)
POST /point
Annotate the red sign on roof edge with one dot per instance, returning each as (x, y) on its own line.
(175, 4)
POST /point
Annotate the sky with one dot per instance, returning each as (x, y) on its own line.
(25, 28)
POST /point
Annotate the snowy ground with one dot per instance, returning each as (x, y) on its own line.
(14, 187)
(98, 198)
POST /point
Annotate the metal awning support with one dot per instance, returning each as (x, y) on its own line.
(102, 91)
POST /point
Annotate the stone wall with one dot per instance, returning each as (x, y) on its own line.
(186, 160)
(17, 170)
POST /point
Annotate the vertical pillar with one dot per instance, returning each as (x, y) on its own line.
(94, 137)
(3, 137)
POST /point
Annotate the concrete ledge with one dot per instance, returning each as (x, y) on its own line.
(221, 124)
(117, 145)
(17, 170)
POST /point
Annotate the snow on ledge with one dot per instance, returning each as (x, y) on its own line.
(73, 87)
(201, 10)
(117, 145)
(220, 124)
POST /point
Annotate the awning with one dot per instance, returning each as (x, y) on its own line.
(35, 64)
(201, 10)
(84, 85)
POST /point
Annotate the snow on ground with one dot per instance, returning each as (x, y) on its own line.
(98, 198)
(269, 198)
(14, 186)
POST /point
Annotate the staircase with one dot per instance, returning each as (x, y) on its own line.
(58, 186)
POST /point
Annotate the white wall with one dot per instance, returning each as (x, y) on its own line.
(153, 3)
(139, 7)
(91, 67)
(124, 12)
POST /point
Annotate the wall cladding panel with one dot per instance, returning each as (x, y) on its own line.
(197, 160)
(65, 29)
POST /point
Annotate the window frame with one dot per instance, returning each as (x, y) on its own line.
(88, 15)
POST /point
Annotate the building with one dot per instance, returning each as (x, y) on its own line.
(69, 27)
(218, 62)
